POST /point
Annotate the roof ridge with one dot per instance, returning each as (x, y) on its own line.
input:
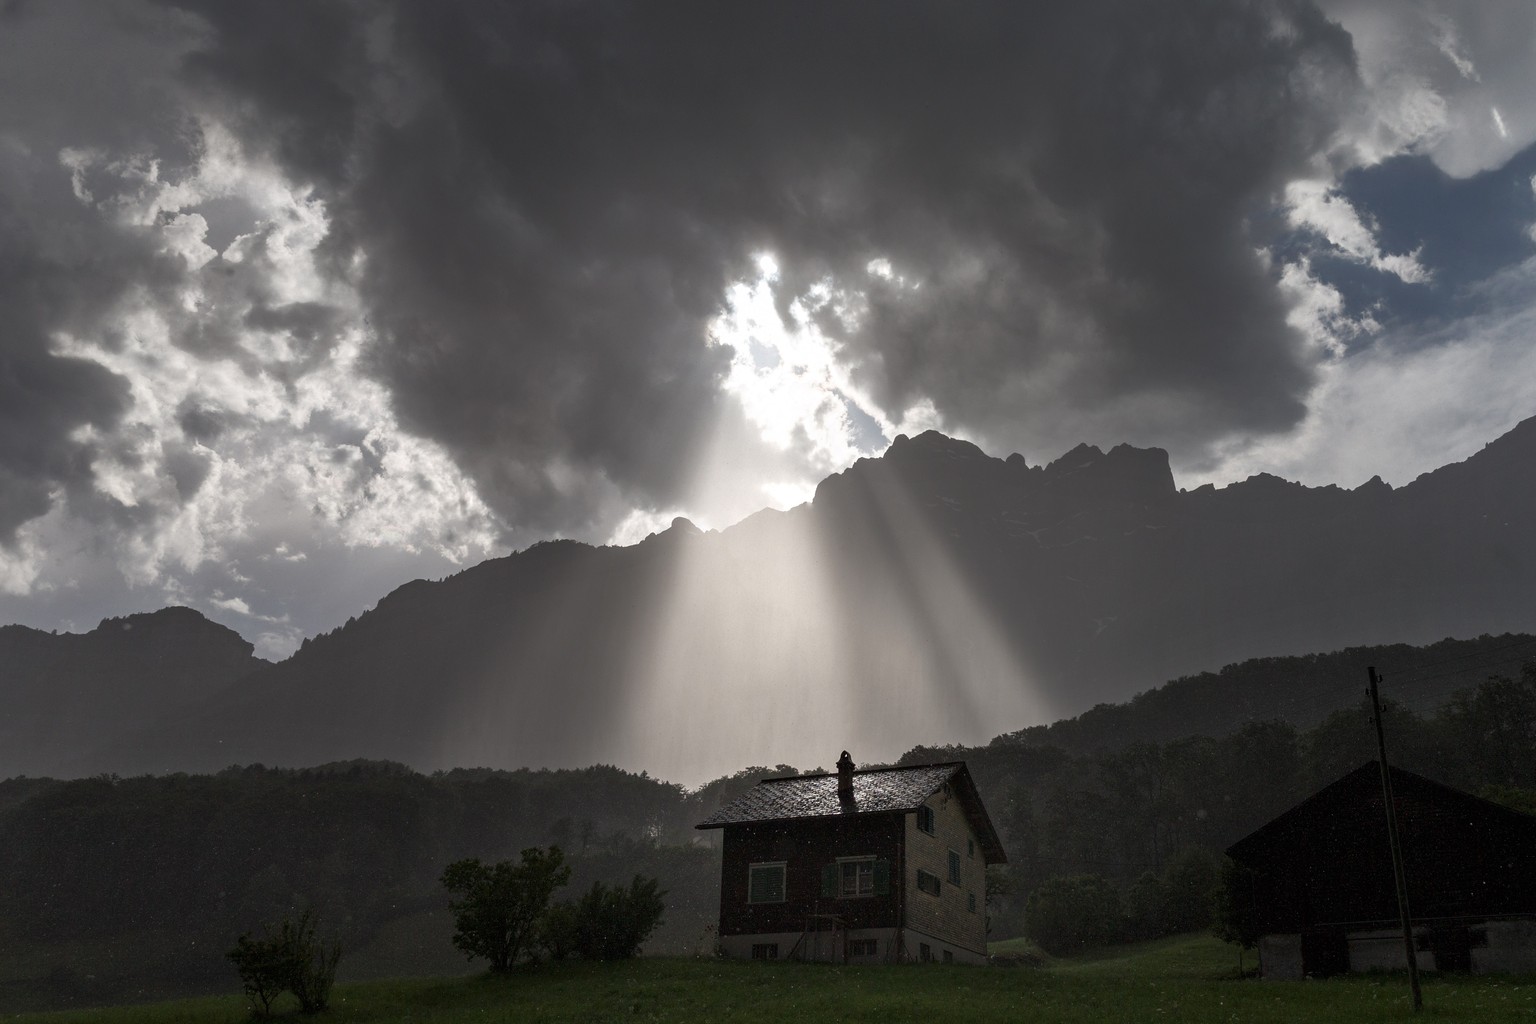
(864, 771)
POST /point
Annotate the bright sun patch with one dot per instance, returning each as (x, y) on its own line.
(792, 380)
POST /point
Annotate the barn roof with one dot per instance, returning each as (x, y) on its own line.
(875, 791)
(1359, 793)
(1325, 862)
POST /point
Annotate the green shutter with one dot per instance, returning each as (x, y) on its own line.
(829, 880)
(765, 884)
(882, 878)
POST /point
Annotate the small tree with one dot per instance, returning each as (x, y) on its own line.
(499, 906)
(312, 964)
(291, 960)
(263, 968)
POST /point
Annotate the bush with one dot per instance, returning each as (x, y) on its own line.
(1236, 913)
(606, 923)
(1147, 908)
(559, 932)
(1190, 880)
(292, 960)
(500, 907)
(1068, 914)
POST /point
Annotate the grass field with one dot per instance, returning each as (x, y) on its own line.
(1173, 980)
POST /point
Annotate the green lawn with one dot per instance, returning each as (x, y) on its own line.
(1184, 979)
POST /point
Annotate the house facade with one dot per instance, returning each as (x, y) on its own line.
(882, 865)
(1322, 896)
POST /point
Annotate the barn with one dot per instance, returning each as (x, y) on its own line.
(1320, 891)
(879, 865)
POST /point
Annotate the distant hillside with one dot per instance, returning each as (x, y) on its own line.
(932, 593)
(1301, 691)
(67, 693)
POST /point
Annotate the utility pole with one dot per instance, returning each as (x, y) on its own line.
(1396, 845)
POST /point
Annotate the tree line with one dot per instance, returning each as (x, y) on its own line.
(165, 871)
(1124, 819)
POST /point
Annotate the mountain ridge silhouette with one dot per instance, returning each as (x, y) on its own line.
(933, 594)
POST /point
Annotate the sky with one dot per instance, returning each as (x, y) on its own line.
(302, 300)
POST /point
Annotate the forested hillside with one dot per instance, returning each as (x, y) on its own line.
(114, 889)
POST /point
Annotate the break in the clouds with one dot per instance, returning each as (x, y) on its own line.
(301, 299)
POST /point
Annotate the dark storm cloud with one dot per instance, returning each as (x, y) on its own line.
(46, 285)
(551, 199)
(62, 266)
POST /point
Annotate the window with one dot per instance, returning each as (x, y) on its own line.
(949, 956)
(954, 868)
(925, 819)
(765, 951)
(853, 877)
(927, 882)
(856, 877)
(970, 902)
(970, 848)
(765, 883)
(925, 952)
(863, 947)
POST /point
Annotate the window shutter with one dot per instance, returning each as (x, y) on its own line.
(829, 880)
(882, 878)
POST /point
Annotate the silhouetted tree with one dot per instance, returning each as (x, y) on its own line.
(499, 906)
(290, 960)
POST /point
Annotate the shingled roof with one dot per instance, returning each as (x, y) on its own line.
(875, 791)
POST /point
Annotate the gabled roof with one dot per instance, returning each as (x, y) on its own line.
(875, 791)
(1362, 787)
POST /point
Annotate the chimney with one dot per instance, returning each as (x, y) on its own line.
(845, 777)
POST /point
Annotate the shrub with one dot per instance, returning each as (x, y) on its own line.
(500, 907)
(606, 923)
(559, 931)
(1236, 914)
(1071, 913)
(1191, 880)
(292, 960)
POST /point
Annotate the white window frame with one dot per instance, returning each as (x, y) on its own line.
(863, 880)
(769, 865)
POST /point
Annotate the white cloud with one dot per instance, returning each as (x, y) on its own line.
(1317, 311)
(1412, 401)
(302, 438)
(1433, 71)
(1317, 206)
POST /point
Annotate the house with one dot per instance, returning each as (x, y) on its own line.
(1323, 896)
(879, 865)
